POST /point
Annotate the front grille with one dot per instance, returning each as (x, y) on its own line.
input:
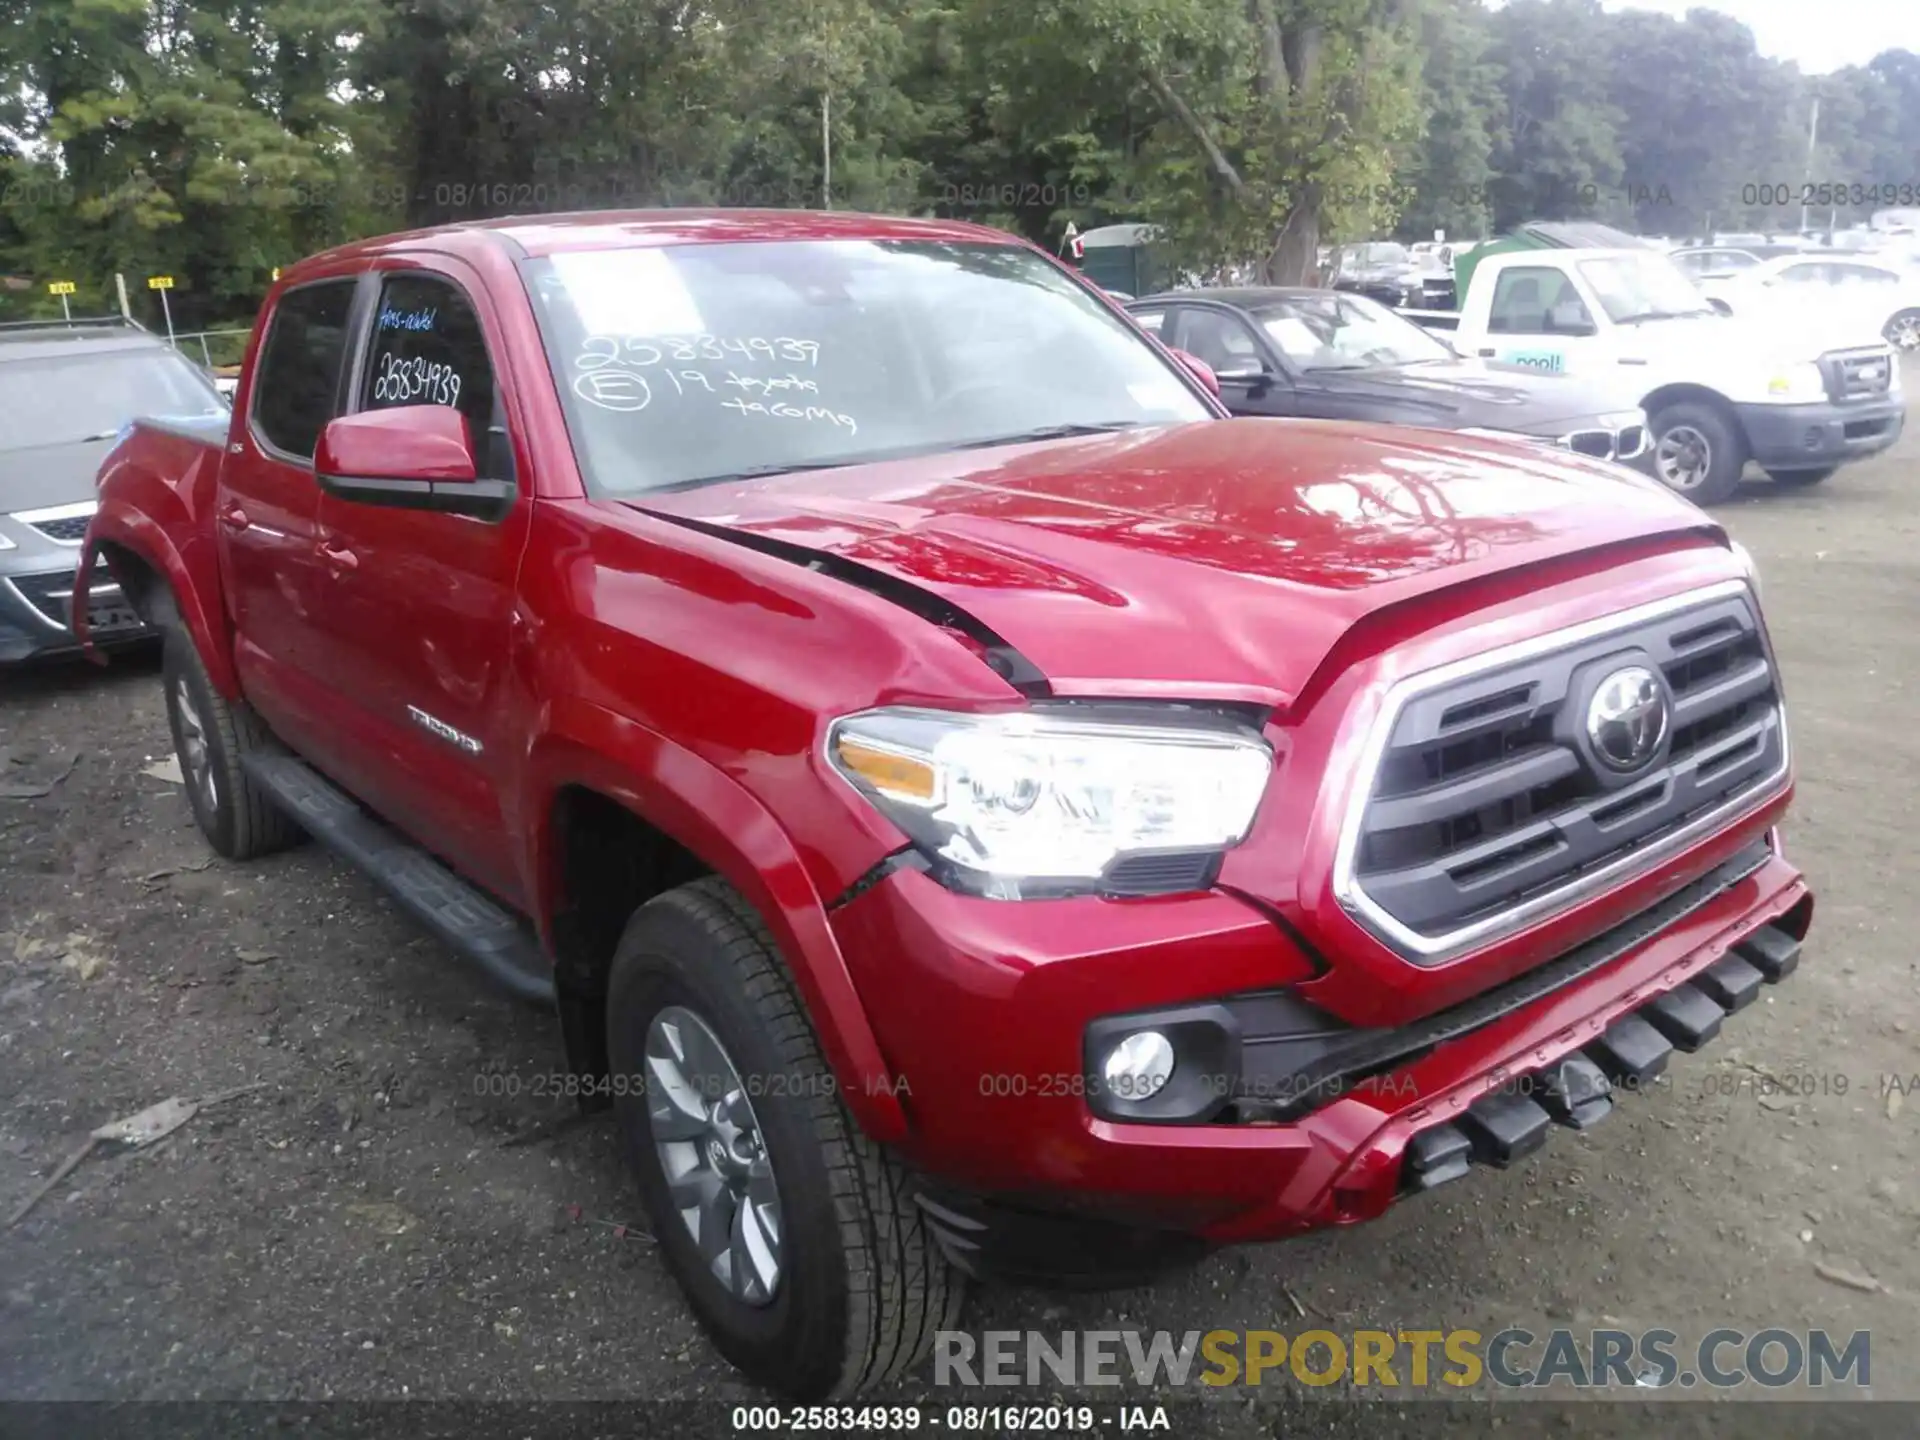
(1488, 795)
(70, 530)
(1858, 374)
(52, 594)
(1597, 443)
(1630, 442)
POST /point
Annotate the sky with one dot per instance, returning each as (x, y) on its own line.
(1821, 35)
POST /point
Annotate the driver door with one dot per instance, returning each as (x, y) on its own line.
(418, 606)
(1540, 319)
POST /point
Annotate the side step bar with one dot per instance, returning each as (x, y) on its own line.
(481, 929)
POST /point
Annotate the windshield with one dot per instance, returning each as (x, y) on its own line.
(1378, 253)
(1643, 287)
(87, 397)
(1334, 331)
(682, 364)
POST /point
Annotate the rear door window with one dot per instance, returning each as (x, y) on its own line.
(298, 376)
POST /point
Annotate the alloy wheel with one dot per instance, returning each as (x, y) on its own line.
(194, 755)
(713, 1154)
(1903, 332)
(1683, 458)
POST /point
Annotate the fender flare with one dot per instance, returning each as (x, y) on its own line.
(137, 532)
(712, 815)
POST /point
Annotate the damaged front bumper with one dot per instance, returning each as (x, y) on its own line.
(1381, 1115)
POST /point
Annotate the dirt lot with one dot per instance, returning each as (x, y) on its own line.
(370, 1224)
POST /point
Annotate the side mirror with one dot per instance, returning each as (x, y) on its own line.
(411, 457)
(1202, 371)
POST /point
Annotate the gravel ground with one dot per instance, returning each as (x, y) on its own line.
(371, 1224)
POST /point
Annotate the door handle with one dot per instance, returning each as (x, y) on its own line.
(338, 558)
(234, 518)
(1487, 352)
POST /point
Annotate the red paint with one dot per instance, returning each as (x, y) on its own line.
(410, 442)
(1299, 566)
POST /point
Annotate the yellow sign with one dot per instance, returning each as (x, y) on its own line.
(276, 272)
(60, 287)
(159, 282)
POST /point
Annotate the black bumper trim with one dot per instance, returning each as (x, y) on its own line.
(1579, 1090)
(1365, 1053)
(1790, 437)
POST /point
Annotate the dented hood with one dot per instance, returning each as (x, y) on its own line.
(1221, 559)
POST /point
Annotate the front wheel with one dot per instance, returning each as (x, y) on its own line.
(1698, 452)
(1801, 477)
(792, 1234)
(1903, 331)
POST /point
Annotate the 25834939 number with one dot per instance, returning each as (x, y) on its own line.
(415, 380)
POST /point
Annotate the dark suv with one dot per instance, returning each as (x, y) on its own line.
(67, 390)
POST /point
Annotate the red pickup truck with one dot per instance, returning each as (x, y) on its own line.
(972, 806)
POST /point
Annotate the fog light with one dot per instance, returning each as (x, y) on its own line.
(1139, 1067)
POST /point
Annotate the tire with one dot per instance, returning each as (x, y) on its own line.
(861, 1287)
(210, 738)
(1801, 477)
(1903, 331)
(1698, 452)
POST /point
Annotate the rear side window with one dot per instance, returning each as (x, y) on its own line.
(299, 370)
(428, 349)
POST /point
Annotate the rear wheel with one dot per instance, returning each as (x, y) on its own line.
(1801, 477)
(210, 738)
(792, 1234)
(1903, 331)
(1698, 452)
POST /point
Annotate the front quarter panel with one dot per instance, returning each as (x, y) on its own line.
(691, 680)
(156, 500)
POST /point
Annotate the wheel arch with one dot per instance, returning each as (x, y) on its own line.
(162, 587)
(652, 818)
(1686, 393)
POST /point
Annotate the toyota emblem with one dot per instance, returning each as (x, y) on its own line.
(1627, 718)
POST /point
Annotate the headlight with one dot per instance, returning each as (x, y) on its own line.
(1798, 382)
(1048, 802)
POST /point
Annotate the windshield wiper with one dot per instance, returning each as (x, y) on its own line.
(1050, 432)
(755, 472)
(1640, 315)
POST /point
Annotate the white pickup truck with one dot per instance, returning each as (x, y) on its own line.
(1719, 391)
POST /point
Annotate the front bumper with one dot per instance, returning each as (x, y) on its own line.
(986, 1035)
(1805, 437)
(36, 593)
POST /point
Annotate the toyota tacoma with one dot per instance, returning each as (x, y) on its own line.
(972, 806)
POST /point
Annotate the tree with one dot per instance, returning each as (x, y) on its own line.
(1556, 147)
(1258, 123)
(1447, 174)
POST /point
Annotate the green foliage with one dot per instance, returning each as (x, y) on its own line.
(215, 139)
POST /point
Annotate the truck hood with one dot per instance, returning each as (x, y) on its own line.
(1475, 393)
(1219, 560)
(42, 476)
(1773, 334)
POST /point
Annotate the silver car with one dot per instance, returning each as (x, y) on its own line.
(66, 393)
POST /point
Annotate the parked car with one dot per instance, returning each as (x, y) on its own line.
(972, 805)
(1386, 271)
(1797, 395)
(1327, 355)
(1885, 295)
(67, 390)
(1714, 262)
